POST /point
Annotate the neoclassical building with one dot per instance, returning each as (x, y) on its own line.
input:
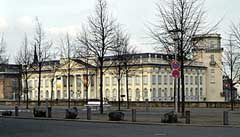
(149, 77)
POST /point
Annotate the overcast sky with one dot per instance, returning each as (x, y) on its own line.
(61, 16)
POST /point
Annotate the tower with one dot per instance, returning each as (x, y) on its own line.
(209, 52)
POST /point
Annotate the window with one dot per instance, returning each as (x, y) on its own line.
(129, 80)
(137, 94)
(58, 94)
(191, 80)
(159, 79)
(165, 80)
(46, 83)
(65, 93)
(35, 83)
(29, 83)
(114, 81)
(130, 93)
(92, 81)
(165, 92)
(145, 93)
(212, 76)
(107, 81)
(196, 80)
(72, 81)
(153, 79)
(64, 81)
(196, 92)
(171, 92)
(72, 94)
(78, 94)
(153, 92)
(145, 80)
(191, 91)
(79, 82)
(47, 94)
(201, 80)
(186, 81)
(137, 80)
(187, 94)
(201, 93)
(170, 80)
(159, 92)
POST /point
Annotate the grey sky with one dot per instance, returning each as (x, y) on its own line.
(60, 16)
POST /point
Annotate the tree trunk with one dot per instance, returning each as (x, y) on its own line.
(128, 102)
(52, 80)
(39, 82)
(26, 81)
(101, 85)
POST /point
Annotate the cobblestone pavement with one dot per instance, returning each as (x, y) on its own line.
(203, 116)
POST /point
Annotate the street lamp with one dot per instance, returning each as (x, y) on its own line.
(174, 34)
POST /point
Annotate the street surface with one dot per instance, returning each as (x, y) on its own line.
(51, 128)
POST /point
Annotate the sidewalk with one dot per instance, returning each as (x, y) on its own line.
(202, 116)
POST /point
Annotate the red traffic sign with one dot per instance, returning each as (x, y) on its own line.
(176, 73)
(175, 64)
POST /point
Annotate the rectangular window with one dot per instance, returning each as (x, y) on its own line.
(129, 80)
(191, 80)
(107, 81)
(64, 81)
(46, 83)
(79, 81)
(114, 81)
(186, 81)
(159, 79)
(201, 80)
(196, 80)
(137, 80)
(212, 76)
(153, 79)
(165, 79)
(170, 79)
(145, 80)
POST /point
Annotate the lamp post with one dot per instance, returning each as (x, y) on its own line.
(174, 34)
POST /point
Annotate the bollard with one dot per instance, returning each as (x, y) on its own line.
(133, 115)
(187, 117)
(225, 118)
(49, 112)
(89, 113)
(147, 105)
(16, 110)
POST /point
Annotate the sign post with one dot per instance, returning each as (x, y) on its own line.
(175, 65)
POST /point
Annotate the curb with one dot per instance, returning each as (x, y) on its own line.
(123, 122)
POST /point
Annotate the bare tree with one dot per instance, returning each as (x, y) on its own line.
(99, 38)
(41, 52)
(231, 65)
(3, 56)
(24, 59)
(86, 56)
(186, 18)
(67, 52)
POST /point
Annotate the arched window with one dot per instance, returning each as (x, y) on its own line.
(145, 93)
(107, 93)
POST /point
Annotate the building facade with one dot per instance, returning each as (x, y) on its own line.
(149, 77)
(9, 82)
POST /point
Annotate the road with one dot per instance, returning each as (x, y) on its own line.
(51, 128)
